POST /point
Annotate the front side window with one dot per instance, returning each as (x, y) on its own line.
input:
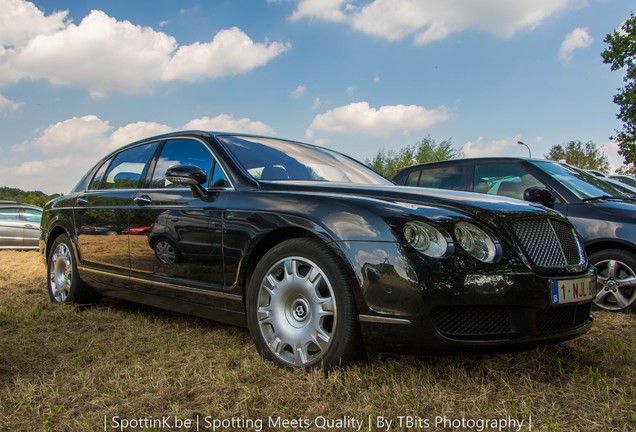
(505, 179)
(180, 152)
(126, 169)
(277, 160)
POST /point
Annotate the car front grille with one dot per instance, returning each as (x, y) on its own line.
(506, 322)
(464, 322)
(562, 318)
(549, 243)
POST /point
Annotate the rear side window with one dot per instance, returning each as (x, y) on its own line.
(180, 152)
(9, 214)
(126, 169)
(413, 178)
(505, 179)
(99, 175)
(447, 177)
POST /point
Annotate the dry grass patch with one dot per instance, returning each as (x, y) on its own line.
(64, 368)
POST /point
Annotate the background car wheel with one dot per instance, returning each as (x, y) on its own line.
(165, 251)
(300, 307)
(616, 270)
(64, 284)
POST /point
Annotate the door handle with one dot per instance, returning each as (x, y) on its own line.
(81, 201)
(28, 226)
(142, 200)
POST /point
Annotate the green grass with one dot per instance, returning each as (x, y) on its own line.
(64, 368)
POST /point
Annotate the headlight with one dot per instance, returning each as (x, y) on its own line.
(476, 242)
(425, 239)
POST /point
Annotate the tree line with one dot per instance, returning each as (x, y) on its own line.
(27, 197)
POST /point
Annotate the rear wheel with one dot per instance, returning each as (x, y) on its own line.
(300, 307)
(64, 284)
(616, 270)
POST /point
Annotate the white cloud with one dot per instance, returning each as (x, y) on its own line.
(576, 39)
(8, 107)
(360, 118)
(316, 103)
(351, 90)
(431, 20)
(298, 92)
(20, 21)
(328, 10)
(610, 150)
(226, 122)
(231, 52)
(502, 147)
(376, 77)
(106, 55)
(136, 131)
(78, 135)
(100, 53)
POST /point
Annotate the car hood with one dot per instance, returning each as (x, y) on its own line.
(470, 203)
(614, 207)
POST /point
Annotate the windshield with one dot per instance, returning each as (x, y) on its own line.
(277, 160)
(582, 184)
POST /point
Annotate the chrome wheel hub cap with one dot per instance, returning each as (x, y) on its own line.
(61, 273)
(296, 311)
(617, 284)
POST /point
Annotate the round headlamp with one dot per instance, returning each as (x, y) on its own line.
(425, 239)
(476, 242)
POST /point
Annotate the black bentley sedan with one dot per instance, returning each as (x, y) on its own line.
(320, 257)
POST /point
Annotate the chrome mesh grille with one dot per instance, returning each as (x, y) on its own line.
(549, 243)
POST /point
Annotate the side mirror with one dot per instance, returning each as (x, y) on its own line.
(190, 175)
(540, 195)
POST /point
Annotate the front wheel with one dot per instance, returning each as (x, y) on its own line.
(64, 283)
(616, 272)
(300, 307)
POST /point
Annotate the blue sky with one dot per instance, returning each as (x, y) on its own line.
(78, 79)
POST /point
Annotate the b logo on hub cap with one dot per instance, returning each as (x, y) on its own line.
(300, 310)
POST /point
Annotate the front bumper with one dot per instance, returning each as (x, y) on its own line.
(407, 306)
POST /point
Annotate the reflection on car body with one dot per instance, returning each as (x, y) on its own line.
(320, 257)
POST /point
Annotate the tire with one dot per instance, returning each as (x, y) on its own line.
(64, 283)
(301, 312)
(616, 270)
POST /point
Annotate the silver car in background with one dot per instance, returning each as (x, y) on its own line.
(19, 225)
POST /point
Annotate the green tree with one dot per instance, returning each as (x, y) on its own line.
(621, 53)
(584, 156)
(389, 162)
(32, 197)
(629, 170)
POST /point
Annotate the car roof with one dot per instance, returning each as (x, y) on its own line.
(475, 160)
(17, 204)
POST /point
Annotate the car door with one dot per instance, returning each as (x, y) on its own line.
(176, 240)
(31, 223)
(101, 214)
(11, 228)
